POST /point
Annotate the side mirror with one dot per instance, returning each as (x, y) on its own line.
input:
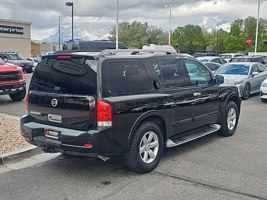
(255, 74)
(219, 79)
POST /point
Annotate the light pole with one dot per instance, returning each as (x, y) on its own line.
(216, 25)
(170, 28)
(257, 27)
(59, 19)
(117, 25)
(71, 4)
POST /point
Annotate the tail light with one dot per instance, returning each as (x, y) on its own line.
(64, 57)
(27, 102)
(104, 115)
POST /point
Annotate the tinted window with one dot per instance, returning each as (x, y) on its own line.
(99, 45)
(125, 78)
(260, 60)
(212, 66)
(217, 60)
(241, 60)
(169, 72)
(70, 76)
(222, 61)
(262, 68)
(198, 74)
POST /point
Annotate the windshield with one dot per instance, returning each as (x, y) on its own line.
(15, 56)
(203, 60)
(239, 69)
(241, 59)
(226, 56)
(1, 62)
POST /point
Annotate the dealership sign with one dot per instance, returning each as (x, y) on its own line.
(11, 29)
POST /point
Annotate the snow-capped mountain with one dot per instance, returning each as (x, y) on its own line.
(83, 32)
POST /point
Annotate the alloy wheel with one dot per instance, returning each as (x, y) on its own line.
(149, 147)
(231, 119)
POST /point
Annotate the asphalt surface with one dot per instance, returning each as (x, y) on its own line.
(211, 167)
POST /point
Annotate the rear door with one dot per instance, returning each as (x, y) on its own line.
(177, 107)
(63, 90)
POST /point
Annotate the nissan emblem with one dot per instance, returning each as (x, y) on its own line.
(54, 102)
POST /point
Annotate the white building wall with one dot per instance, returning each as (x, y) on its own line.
(15, 36)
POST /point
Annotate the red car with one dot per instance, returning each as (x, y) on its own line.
(12, 81)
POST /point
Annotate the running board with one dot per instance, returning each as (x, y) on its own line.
(192, 135)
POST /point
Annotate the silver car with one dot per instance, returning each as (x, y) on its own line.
(247, 76)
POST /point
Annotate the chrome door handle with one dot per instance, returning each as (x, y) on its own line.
(196, 94)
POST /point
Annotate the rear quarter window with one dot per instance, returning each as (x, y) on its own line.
(125, 78)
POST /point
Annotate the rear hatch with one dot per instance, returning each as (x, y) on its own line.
(63, 91)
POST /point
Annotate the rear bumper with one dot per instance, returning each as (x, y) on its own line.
(69, 141)
(12, 88)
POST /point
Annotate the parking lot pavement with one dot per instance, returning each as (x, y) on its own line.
(211, 167)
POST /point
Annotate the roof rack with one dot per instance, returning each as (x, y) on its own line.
(133, 52)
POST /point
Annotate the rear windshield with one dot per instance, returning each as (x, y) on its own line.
(70, 76)
(99, 45)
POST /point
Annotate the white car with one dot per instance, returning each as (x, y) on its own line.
(34, 60)
(157, 47)
(228, 56)
(263, 89)
(215, 59)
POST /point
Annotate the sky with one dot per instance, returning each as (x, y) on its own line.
(44, 14)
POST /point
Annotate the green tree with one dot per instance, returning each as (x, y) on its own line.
(234, 41)
(189, 38)
(138, 34)
(156, 36)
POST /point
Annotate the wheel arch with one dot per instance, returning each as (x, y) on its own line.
(152, 116)
(236, 99)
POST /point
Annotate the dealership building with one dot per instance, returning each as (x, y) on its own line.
(15, 36)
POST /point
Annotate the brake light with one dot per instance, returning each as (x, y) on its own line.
(104, 115)
(27, 102)
(64, 57)
(88, 145)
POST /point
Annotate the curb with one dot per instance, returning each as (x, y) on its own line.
(10, 116)
(19, 155)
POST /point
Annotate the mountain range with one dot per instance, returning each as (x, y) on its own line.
(82, 32)
(96, 31)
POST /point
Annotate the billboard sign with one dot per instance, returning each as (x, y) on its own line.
(11, 29)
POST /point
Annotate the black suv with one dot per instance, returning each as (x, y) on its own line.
(133, 103)
(92, 46)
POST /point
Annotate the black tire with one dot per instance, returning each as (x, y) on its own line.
(264, 100)
(229, 119)
(18, 96)
(246, 92)
(148, 139)
(29, 70)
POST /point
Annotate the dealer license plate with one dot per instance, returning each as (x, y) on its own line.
(51, 133)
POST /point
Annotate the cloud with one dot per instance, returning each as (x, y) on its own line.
(44, 15)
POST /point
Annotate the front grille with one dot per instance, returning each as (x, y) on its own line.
(11, 88)
(10, 76)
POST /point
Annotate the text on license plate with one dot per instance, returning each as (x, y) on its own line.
(51, 133)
